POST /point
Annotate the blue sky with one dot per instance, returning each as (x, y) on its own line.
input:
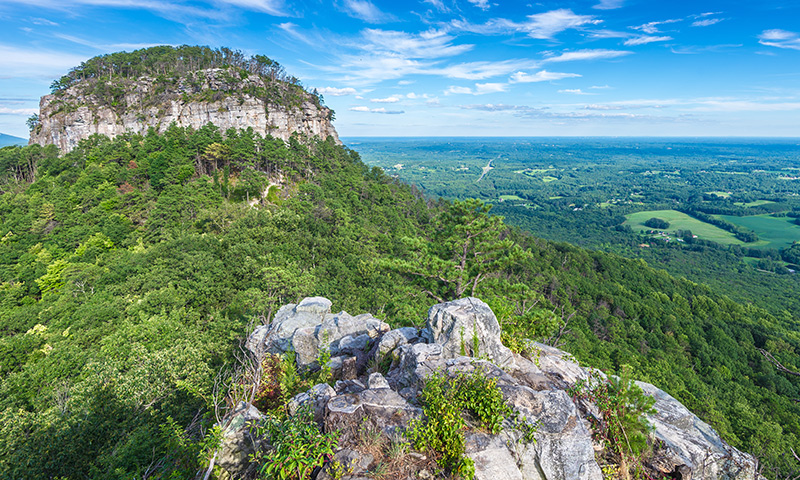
(458, 67)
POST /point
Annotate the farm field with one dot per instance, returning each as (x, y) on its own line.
(681, 221)
(773, 232)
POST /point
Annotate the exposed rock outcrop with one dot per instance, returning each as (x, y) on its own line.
(564, 448)
(78, 112)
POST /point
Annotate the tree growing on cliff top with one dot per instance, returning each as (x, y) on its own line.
(467, 246)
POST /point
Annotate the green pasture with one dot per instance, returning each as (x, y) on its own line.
(720, 194)
(773, 232)
(548, 179)
(681, 221)
(506, 198)
(757, 203)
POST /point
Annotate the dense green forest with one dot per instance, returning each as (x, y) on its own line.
(131, 269)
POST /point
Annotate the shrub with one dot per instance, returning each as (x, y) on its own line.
(657, 223)
(622, 425)
(296, 445)
(445, 401)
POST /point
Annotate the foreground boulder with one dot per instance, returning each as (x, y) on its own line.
(463, 337)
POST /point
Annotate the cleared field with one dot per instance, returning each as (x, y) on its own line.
(720, 194)
(773, 232)
(757, 203)
(681, 221)
(504, 198)
(548, 179)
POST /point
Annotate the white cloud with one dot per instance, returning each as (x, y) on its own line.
(547, 25)
(429, 44)
(438, 5)
(643, 39)
(272, 7)
(724, 105)
(458, 90)
(19, 62)
(706, 22)
(376, 110)
(43, 21)
(483, 88)
(482, 4)
(480, 89)
(609, 4)
(652, 27)
(365, 10)
(541, 25)
(18, 111)
(391, 99)
(575, 91)
(587, 54)
(540, 76)
(484, 70)
(337, 92)
(780, 38)
(609, 34)
(600, 87)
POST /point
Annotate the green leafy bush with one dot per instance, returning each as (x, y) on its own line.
(445, 401)
(296, 445)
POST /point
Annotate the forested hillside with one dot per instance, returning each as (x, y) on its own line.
(131, 268)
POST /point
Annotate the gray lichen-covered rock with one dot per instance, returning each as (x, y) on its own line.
(309, 326)
(467, 327)
(237, 440)
(692, 444)
(534, 386)
(72, 115)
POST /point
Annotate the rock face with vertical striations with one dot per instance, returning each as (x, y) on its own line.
(224, 97)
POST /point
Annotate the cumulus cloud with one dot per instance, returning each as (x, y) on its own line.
(780, 38)
(644, 39)
(337, 92)
(540, 76)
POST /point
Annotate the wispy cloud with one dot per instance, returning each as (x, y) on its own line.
(272, 7)
(429, 44)
(18, 111)
(540, 76)
(541, 25)
(706, 22)
(366, 11)
(376, 110)
(337, 92)
(438, 5)
(23, 62)
(575, 91)
(609, 4)
(780, 38)
(484, 70)
(482, 4)
(644, 39)
(480, 89)
(586, 54)
(653, 27)
(547, 25)
(392, 99)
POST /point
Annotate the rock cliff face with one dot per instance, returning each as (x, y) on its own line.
(218, 96)
(683, 447)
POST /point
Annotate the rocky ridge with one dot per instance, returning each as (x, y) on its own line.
(535, 387)
(215, 96)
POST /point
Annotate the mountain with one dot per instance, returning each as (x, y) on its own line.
(189, 86)
(133, 268)
(6, 140)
